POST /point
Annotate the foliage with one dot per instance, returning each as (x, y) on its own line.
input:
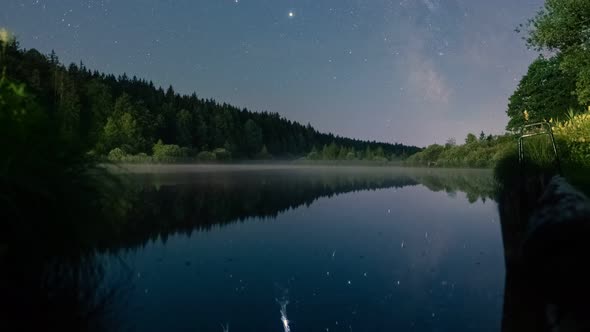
(545, 92)
(47, 173)
(253, 137)
(166, 152)
(573, 136)
(137, 158)
(116, 154)
(470, 139)
(562, 28)
(314, 154)
(122, 128)
(474, 153)
(553, 90)
(451, 142)
(184, 124)
(333, 151)
(222, 154)
(206, 156)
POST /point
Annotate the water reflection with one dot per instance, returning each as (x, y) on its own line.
(366, 248)
(361, 249)
(168, 203)
(58, 293)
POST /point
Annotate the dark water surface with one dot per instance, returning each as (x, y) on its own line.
(328, 249)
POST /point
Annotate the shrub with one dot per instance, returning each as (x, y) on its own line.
(116, 154)
(206, 156)
(314, 155)
(222, 154)
(138, 158)
(573, 136)
(166, 152)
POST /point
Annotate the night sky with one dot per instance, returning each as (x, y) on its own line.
(411, 71)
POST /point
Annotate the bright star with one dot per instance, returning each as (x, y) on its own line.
(291, 14)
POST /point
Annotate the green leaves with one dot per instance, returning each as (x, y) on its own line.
(470, 139)
(252, 137)
(166, 152)
(184, 125)
(545, 92)
(562, 24)
(103, 112)
(563, 28)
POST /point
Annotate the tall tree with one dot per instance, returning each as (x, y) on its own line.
(545, 92)
(122, 129)
(562, 28)
(368, 153)
(68, 107)
(470, 138)
(342, 153)
(201, 133)
(99, 105)
(252, 137)
(184, 128)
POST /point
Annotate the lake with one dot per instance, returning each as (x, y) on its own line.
(267, 248)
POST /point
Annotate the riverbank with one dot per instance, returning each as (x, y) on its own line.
(270, 166)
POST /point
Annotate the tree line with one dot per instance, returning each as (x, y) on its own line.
(476, 152)
(122, 116)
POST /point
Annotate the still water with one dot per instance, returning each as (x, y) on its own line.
(309, 249)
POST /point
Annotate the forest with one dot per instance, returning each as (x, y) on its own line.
(130, 119)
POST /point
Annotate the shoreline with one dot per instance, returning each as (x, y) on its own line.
(140, 168)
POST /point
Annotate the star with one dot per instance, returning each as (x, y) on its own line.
(291, 14)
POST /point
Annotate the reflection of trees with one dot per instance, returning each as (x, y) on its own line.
(165, 209)
(53, 277)
(56, 294)
(162, 205)
(475, 184)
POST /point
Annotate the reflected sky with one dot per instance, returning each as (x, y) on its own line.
(390, 259)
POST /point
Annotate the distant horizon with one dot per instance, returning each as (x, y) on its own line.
(414, 73)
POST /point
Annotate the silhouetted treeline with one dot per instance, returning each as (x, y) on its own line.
(125, 116)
